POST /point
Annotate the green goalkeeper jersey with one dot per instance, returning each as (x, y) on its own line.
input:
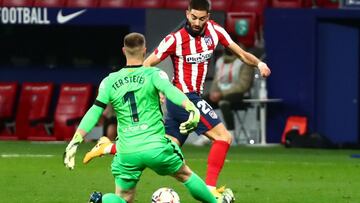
(134, 94)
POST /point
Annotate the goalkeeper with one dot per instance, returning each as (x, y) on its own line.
(133, 91)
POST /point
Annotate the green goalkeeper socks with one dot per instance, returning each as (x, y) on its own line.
(112, 198)
(198, 189)
(194, 184)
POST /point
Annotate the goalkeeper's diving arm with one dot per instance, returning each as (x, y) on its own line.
(86, 125)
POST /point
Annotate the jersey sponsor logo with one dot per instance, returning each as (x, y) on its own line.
(208, 40)
(199, 57)
(24, 15)
(66, 18)
(135, 128)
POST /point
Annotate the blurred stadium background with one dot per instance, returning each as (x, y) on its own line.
(50, 67)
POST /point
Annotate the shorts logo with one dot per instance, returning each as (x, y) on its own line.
(208, 40)
(213, 114)
(206, 109)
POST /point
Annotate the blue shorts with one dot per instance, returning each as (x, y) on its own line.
(176, 115)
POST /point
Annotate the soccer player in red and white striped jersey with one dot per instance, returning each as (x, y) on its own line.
(191, 49)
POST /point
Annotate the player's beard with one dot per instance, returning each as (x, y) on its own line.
(199, 30)
(190, 29)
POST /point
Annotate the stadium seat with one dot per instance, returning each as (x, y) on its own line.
(8, 92)
(221, 5)
(17, 3)
(73, 102)
(294, 123)
(287, 3)
(242, 25)
(249, 5)
(177, 4)
(33, 111)
(308, 3)
(50, 3)
(148, 3)
(83, 3)
(291, 3)
(328, 3)
(256, 6)
(115, 3)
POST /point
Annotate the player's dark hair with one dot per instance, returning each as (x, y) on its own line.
(134, 40)
(201, 5)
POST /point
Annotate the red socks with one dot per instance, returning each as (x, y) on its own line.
(216, 159)
(113, 149)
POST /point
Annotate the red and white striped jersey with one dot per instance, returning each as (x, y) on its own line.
(191, 55)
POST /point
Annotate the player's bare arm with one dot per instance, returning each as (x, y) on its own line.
(151, 60)
(250, 59)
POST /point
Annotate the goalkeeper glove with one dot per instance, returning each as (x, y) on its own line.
(193, 120)
(70, 151)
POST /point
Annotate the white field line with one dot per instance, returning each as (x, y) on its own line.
(48, 142)
(247, 161)
(26, 155)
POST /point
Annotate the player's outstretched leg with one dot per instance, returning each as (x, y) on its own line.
(103, 146)
(198, 189)
(217, 155)
(216, 160)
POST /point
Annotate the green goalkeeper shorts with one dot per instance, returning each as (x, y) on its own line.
(128, 167)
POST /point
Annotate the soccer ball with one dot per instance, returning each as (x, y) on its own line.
(165, 195)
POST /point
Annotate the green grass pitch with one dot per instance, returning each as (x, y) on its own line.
(34, 173)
